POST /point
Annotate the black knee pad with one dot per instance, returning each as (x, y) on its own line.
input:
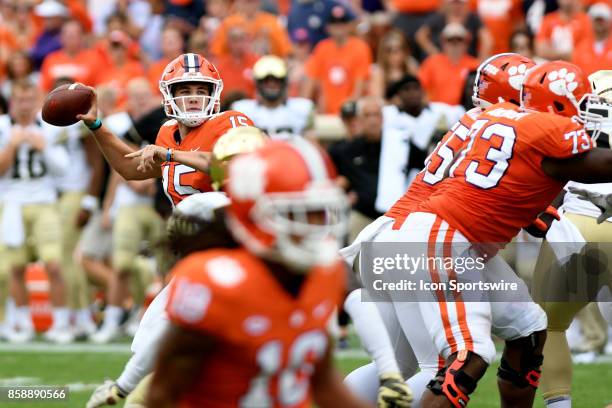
(531, 360)
(449, 379)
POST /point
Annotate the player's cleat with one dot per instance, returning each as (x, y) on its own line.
(393, 392)
(84, 330)
(59, 335)
(106, 334)
(108, 393)
(21, 336)
(588, 357)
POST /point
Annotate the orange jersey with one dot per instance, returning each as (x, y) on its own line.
(442, 80)
(266, 340)
(416, 6)
(436, 166)
(58, 64)
(556, 30)
(497, 186)
(180, 180)
(338, 68)
(501, 17)
(591, 57)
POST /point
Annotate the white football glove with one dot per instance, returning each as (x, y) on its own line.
(601, 201)
(393, 392)
(106, 394)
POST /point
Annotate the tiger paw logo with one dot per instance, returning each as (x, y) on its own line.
(516, 74)
(562, 82)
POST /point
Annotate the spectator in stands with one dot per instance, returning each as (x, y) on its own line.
(521, 42)
(216, 12)
(357, 161)
(561, 31)
(443, 75)
(348, 114)
(19, 68)
(393, 61)
(310, 15)
(18, 18)
(297, 60)
(236, 67)
(501, 18)
(73, 60)
(198, 43)
(429, 36)
(122, 69)
(410, 17)
(150, 36)
(185, 13)
(268, 36)
(53, 14)
(8, 45)
(172, 45)
(339, 65)
(117, 22)
(595, 53)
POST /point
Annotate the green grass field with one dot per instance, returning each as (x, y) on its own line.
(83, 370)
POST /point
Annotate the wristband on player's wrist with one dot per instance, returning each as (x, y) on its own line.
(96, 125)
(90, 203)
(169, 155)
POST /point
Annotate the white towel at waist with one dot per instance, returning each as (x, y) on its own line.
(350, 252)
(565, 238)
(12, 228)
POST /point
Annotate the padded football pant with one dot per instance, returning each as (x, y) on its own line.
(43, 236)
(557, 368)
(133, 225)
(451, 323)
(74, 275)
(138, 397)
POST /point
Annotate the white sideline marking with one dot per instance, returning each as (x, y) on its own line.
(351, 353)
(19, 381)
(124, 348)
(39, 346)
(76, 387)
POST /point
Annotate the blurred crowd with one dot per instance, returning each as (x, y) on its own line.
(383, 80)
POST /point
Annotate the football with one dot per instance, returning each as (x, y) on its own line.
(65, 102)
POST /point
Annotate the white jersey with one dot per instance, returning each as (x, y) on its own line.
(119, 124)
(573, 204)
(30, 180)
(79, 174)
(400, 130)
(290, 118)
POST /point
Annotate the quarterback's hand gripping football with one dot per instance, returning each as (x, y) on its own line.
(601, 201)
(91, 116)
(393, 392)
(106, 394)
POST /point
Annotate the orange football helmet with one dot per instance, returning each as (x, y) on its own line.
(191, 68)
(555, 87)
(499, 79)
(285, 205)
